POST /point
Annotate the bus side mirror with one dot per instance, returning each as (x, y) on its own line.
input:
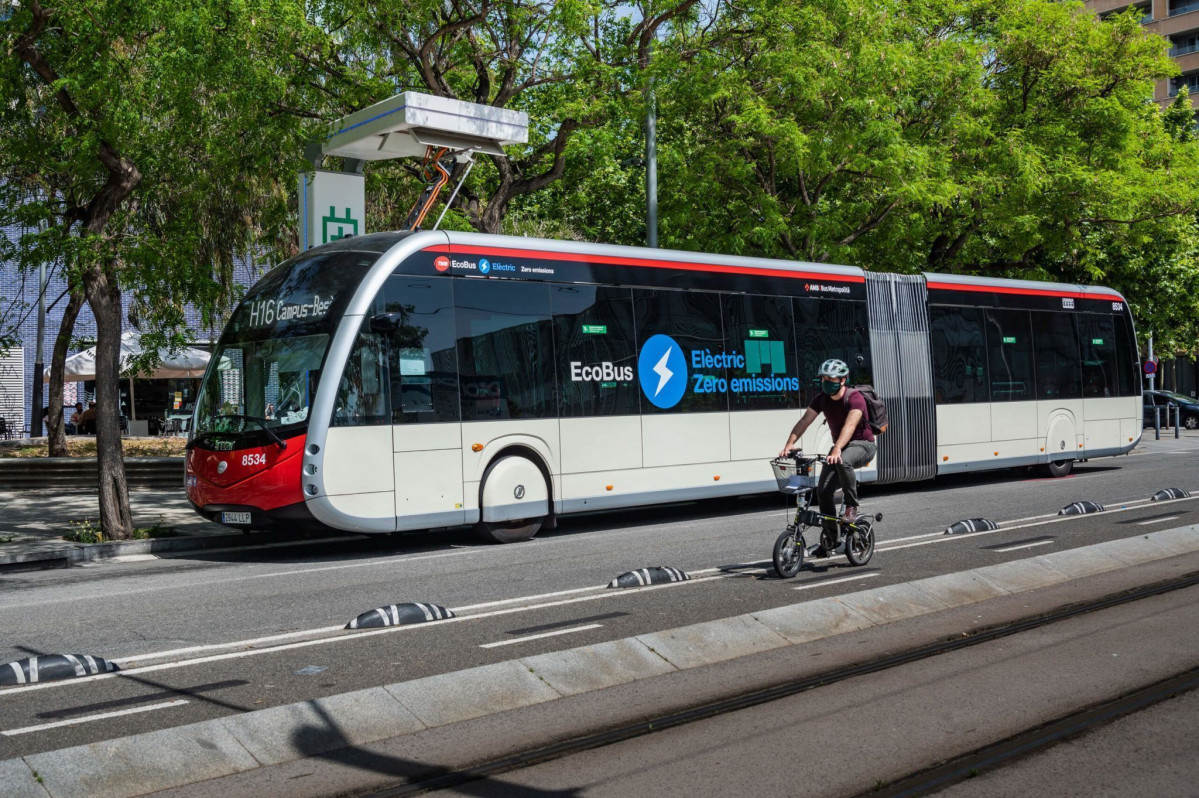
(386, 322)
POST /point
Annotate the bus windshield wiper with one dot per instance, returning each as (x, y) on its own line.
(261, 422)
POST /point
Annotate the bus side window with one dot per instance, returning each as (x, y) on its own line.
(362, 393)
(1057, 355)
(596, 349)
(505, 349)
(422, 357)
(1009, 349)
(828, 328)
(959, 350)
(1129, 373)
(1100, 363)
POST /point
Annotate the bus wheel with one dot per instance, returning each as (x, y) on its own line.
(1059, 469)
(510, 531)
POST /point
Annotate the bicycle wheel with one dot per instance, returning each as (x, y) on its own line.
(788, 554)
(859, 544)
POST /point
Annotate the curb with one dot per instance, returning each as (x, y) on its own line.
(65, 553)
(247, 741)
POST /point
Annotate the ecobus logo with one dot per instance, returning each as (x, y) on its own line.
(600, 372)
(662, 371)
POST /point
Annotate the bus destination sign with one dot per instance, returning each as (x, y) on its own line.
(265, 312)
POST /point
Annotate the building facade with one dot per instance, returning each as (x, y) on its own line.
(1178, 22)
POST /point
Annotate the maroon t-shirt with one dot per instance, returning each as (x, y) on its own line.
(837, 410)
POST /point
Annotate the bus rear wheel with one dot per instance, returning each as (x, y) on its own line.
(1060, 468)
(510, 531)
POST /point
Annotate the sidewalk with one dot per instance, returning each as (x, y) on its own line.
(33, 522)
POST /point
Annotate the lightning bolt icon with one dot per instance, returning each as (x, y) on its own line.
(664, 374)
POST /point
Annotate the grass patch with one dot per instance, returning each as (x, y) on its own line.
(156, 530)
(85, 446)
(87, 530)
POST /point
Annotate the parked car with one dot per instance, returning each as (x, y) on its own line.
(1188, 406)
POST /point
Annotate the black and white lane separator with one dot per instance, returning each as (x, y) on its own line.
(52, 668)
(656, 575)
(400, 615)
(1166, 494)
(1081, 508)
(971, 525)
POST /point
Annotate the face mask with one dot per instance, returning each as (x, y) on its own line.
(830, 388)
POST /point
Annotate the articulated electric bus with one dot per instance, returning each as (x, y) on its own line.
(400, 381)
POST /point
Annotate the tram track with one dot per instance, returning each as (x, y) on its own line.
(1042, 735)
(991, 757)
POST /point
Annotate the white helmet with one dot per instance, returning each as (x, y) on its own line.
(834, 368)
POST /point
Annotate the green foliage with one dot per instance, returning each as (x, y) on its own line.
(193, 98)
(85, 530)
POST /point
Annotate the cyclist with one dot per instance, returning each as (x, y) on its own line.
(853, 443)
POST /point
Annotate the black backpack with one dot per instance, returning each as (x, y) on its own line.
(876, 411)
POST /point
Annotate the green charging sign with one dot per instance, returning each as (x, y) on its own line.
(595, 329)
(1009, 339)
(1097, 342)
(759, 333)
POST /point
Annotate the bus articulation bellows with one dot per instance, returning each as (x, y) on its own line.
(400, 381)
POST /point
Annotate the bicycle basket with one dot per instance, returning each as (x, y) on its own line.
(792, 478)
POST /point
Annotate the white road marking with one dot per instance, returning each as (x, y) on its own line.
(130, 670)
(1158, 520)
(501, 602)
(133, 558)
(835, 581)
(555, 633)
(1057, 519)
(1025, 545)
(88, 718)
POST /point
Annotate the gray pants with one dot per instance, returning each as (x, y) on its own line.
(841, 475)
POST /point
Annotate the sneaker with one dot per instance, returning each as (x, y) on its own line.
(851, 514)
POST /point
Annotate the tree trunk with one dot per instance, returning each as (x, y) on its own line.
(58, 360)
(104, 297)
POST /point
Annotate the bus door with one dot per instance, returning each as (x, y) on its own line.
(426, 431)
(897, 308)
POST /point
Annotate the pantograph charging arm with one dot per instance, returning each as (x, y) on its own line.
(435, 171)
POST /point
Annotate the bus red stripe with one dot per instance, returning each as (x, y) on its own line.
(1003, 289)
(657, 264)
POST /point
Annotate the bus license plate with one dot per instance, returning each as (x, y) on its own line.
(235, 518)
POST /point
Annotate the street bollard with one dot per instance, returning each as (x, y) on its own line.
(1157, 422)
(1177, 417)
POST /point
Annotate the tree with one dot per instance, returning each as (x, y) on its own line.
(157, 136)
(1007, 137)
(570, 64)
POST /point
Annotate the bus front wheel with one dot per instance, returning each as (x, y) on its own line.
(1060, 468)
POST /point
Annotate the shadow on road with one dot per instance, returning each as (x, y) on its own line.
(328, 742)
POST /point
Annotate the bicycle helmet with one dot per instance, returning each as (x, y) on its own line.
(834, 368)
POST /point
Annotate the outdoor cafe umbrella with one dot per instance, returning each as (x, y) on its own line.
(187, 363)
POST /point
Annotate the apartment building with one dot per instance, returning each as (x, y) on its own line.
(1178, 22)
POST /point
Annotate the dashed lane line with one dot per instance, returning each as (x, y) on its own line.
(826, 582)
(58, 724)
(1024, 546)
(554, 633)
(1158, 520)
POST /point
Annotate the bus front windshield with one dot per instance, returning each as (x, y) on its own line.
(271, 382)
(269, 360)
